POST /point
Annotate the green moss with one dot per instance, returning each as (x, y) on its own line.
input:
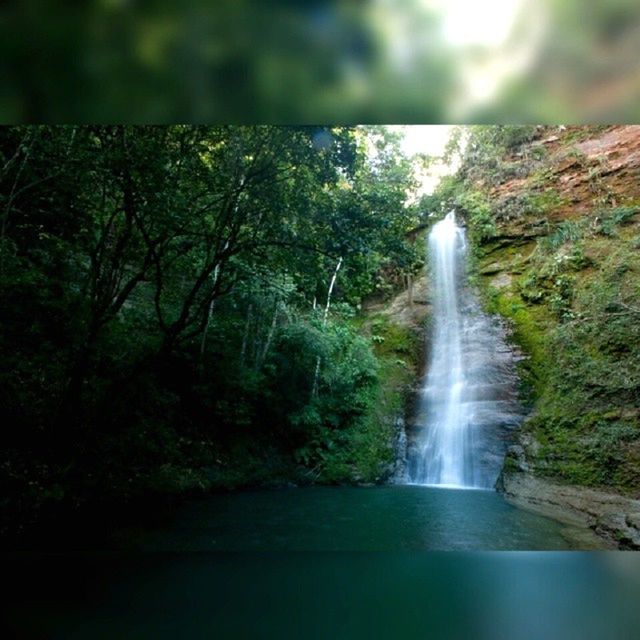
(529, 329)
(365, 450)
(583, 367)
(510, 465)
(572, 298)
(391, 339)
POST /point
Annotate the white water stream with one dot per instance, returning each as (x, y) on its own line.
(468, 401)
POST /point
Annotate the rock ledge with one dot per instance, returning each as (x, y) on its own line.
(594, 519)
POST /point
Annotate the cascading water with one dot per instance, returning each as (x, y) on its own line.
(468, 401)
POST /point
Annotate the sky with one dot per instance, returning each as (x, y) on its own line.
(487, 23)
(424, 138)
(430, 140)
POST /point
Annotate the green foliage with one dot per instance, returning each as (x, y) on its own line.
(582, 341)
(539, 202)
(480, 216)
(367, 452)
(492, 155)
(511, 137)
(579, 373)
(496, 153)
(610, 220)
(347, 371)
(561, 298)
(392, 339)
(166, 307)
(606, 446)
(531, 288)
(566, 231)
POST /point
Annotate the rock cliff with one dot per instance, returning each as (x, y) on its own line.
(556, 222)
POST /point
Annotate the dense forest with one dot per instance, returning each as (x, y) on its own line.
(191, 309)
(179, 308)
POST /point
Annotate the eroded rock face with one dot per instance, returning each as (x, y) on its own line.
(490, 397)
(577, 171)
(501, 281)
(550, 231)
(411, 307)
(595, 519)
(585, 175)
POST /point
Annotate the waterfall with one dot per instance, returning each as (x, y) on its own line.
(468, 401)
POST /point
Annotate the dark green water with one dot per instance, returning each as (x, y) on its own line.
(321, 595)
(389, 518)
(340, 563)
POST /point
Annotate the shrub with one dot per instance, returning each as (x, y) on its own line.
(479, 214)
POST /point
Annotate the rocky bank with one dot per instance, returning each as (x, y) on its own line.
(557, 234)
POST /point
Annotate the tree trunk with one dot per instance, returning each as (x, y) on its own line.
(331, 285)
(216, 274)
(245, 337)
(272, 330)
(314, 390)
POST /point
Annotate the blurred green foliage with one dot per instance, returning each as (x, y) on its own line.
(227, 61)
(246, 61)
